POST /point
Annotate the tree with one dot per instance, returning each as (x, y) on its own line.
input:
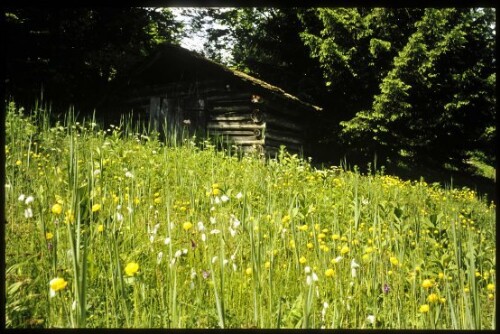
(74, 53)
(437, 102)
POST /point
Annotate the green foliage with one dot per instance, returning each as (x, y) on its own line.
(146, 234)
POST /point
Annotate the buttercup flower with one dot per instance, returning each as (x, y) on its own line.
(57, 284)
(424, 308)
(57, 209)
(427, 283)
(132, 268)
(96, 207)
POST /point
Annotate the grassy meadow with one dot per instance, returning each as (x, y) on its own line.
(114, 228)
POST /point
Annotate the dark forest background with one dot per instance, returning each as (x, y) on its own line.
(412, 89)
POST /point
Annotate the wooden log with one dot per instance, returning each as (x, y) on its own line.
(230, 97)
(285, 123)
(255, 132)
(283, 138)
(232, 117)
(237, 107)
(234, 126)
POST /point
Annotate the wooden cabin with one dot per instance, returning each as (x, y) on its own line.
(182, 90)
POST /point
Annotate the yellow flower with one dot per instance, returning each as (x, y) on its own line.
(216, 191)
(187, 226)
(329, 272)
(432, 298)
(267, 265)
(490, 287)
(49, 235)
(344, 250)
(248, 271)
(310, 245)
(157, 200)
(96, 207)
(286, 219)
(302, 260)
(303, 228)
(427, 283)
(57, 209)
(131, 268)
(57, 284)
(394, 261)
(424, 308)
(100, 228)
(18, 162)
(335, 237)
(442, 300)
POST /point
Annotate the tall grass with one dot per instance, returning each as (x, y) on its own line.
(113, 228)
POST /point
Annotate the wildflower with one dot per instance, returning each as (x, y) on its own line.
(303, 228)
(329, 272)
(56, 209)
(394, 261)
(157, 200)
(28, 213)
(424, 308)
(187, 226)
(100, 228)
(224, 198)
(307, 269)
(344, 250)
(178, 253)
(129, 174)
(490, 287)
(335, 237)
(302, 260)
(286, 219)
(159, 257)
(239, 195)
(29, 199)
(167, 241)
(21, 198)
(267, 265)
(354, 267)
(215, 231)
(18, 163)
(337, 259)
(248, 271)
(57, 284)
(491, 296)
(200, 226)
(132, 268)
(386, 288)
(205, 274)
(371, 319)
(432, 298)
(310, 245)
(49, 235)
(96, 207)
(427, 283)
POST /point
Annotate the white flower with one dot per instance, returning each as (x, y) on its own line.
(217, 200)
(184, 251)
(215, 231)
(307, 269)
(235, 267)
(119, 217)
(159, 257)
(178, 253)
(97, 172)
(21, 197)
(193, 273)
(167, 241)
(224, 198)
(203, 237)
(371, 319)
(151, 238)
(214, 259)
(338, 259)
(309, 280)
(212, 220)
(235, 221)
(129, 175)
(29, 199)
(314, 277)
(201, 227)
(239, 195)
(354, 267)
(28, 213)
(225, 262)
(233, 232)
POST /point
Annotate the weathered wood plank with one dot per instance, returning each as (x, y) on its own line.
(234, 126)
(231, 108)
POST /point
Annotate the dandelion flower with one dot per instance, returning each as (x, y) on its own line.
(132, 268)
(490, 287)
(49, 235)
(248, 271)
(57, 209)
(187, 226)
(424, 308)
(394, 261)
(302, 260)
(96, 207)
(100, 228)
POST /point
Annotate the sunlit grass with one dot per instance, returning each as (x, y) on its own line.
(112, 228)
